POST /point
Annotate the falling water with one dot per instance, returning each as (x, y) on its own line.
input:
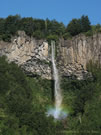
(56, 112)
(58, 96)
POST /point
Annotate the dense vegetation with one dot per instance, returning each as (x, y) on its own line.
(33, 27)
(45, 29)
(84, 97)
(24, 102)
(77, 26)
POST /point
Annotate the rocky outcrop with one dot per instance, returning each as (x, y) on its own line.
(31, 54)
(35, 59)
(74, 54)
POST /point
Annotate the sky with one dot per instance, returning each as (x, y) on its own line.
(61, 10)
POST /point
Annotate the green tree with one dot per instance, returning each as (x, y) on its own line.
(77, 26)
(11, 23)
(85, 24)
(74, 27)
(2, 24)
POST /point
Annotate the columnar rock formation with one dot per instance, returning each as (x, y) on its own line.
(76, 53)
(34, 55)
(31, 54)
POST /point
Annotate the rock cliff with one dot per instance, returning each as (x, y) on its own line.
(74, 54)
(35, 58)
(31, 54)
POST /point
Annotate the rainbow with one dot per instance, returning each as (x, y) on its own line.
(57, 113)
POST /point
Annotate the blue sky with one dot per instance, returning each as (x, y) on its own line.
(61, 10)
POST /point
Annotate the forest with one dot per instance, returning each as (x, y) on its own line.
(46, 29)
(24, 101)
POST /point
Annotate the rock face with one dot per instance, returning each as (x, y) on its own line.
(31, 54)
(35, 58)
(76, 53)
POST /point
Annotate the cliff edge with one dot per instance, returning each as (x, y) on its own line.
(35, 58)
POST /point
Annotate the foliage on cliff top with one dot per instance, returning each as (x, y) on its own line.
(77, 26)
(48, 29)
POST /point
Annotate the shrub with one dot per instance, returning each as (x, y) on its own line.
(52, 37)
(67, 36)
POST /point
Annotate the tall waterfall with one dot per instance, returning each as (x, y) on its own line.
(57, 111)
(57, 93)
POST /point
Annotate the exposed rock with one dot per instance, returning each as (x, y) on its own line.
(72, 55)
(29, 53)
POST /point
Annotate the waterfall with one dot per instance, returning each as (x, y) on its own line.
(58, 96)
(57, 90)
(57, 111)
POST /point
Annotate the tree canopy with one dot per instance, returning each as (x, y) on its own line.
(21, 112)
(44, 29)
(77, 26)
